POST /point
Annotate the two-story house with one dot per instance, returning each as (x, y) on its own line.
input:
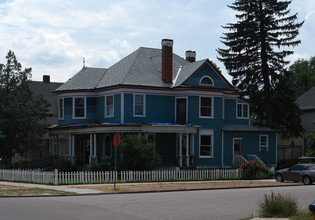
(186, 107)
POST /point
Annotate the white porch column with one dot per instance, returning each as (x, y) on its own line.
(91, 149)
(187, 150)
(95, 149)
(180, 155)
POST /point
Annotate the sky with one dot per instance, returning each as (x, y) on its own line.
(53, 36)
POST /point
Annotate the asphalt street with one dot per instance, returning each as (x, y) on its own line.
(206, 204)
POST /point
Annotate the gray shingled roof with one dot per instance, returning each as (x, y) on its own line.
(86, 78)
(307, 100)
(140, 68)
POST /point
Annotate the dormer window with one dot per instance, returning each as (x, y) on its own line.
(206, 81)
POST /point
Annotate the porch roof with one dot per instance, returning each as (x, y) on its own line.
(95, 127)
(245, 128)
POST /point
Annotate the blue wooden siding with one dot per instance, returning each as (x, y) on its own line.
(158, 108)
(230, 109)
(250, 146)
(206, 70)
(101, 110)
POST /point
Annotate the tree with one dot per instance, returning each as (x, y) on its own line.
(138, 153)
(21, 112)
(256, 61)
(302, 75)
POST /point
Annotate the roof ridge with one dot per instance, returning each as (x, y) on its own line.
(101, 78)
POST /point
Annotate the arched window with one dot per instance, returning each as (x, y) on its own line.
(206, 81)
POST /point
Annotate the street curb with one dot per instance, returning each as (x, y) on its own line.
(149, 191)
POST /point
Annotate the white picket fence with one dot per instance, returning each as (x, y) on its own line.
(87, 177)
(32, 176)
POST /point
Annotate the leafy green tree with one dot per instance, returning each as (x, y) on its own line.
(138, 153)
(22, 113)
(256, 61)
(302, 75)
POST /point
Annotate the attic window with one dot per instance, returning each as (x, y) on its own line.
(206, 81)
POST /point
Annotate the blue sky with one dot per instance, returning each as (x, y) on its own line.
(53, 36)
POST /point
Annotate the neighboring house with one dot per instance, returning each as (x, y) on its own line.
(46, 89)
(296, 147)
(187, 108)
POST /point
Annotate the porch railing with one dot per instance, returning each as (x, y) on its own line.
(238, 160)
(254, 157)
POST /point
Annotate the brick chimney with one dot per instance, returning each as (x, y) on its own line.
(191, 56)
(167, 60)
(46, 78)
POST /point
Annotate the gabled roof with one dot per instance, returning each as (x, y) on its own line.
(307, 100)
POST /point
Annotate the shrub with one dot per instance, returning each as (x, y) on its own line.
(103, 165)
(252, 169)
(138, 153)
(63, 164)
(277, 205)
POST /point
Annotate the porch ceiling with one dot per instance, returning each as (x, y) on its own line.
(90, 128)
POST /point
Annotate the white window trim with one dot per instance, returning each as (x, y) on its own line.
(206, 132)
(212, 107)
(134, 105)
(63, 109)
(267, 142)
(73, 107)
(186, 107)
(109, 116)
(242, 117)
(206, 84)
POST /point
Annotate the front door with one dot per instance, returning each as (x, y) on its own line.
(238, 146)
(181, 111)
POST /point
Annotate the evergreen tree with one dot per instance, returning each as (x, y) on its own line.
(21, 112)
(256, 61)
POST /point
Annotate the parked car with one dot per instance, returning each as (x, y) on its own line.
(298, 173)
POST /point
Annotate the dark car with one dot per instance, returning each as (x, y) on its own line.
(298, 173)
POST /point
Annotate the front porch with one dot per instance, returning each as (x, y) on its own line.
(86, 144)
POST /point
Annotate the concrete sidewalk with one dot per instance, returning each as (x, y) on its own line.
(59, 187)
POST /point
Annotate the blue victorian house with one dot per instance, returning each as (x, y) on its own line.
(193, 115)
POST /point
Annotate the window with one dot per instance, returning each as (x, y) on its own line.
(242, 110)
(206, 144)
(109, 106)
(139, 105)
(61, 108)
(206, 81)
(79, 107)
(263, 142)
(205, 107)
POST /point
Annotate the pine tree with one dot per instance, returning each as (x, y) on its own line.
(21, 112)
(258, 44)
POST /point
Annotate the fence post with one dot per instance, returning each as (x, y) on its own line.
(56, 176)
